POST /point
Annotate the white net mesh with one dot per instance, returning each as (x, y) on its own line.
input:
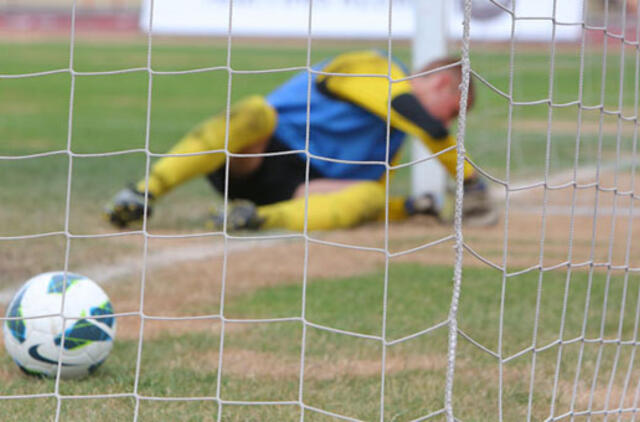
(561, 368)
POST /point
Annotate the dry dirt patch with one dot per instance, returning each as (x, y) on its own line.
(588, 127)
(184, 276)
(193, 287)
(252, 364)
(248, 363)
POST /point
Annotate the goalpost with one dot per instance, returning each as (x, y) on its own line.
(600, 284)
(429, 43)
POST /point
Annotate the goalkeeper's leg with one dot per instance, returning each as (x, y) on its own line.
(354, 204)
(251, 125)
(332, 204)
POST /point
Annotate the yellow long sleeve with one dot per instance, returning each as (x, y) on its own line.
(372, 93)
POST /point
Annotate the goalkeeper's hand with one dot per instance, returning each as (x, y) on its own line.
(127, 207)
(242, 215)
(478, 209)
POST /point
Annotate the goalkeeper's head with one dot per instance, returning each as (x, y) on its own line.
(438, 89)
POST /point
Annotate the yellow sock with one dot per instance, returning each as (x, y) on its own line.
(250, 121)
(348, 207)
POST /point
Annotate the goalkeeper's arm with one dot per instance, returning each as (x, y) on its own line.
(407, 114)
(372, 93)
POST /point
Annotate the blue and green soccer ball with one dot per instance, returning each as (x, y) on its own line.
(80, 341)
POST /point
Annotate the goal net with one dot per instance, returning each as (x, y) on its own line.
(535, 318)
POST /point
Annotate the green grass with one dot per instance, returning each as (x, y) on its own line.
(110, 115)
(487, 134)
(185, 365)
(110, 110)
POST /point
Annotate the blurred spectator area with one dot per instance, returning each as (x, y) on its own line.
(84, 6)
(46, 16)
(132, 6)
(22, 16)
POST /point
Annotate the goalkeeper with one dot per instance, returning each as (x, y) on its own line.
(347, 145)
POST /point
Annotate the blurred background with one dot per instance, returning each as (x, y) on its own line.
(550, 117)
(42, 14)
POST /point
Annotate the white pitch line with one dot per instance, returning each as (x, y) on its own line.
(107, 273)
(583, 174)
(580, 211)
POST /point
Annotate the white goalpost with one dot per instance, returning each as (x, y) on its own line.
(429, 43)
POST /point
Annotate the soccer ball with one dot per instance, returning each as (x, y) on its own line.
(34, 343)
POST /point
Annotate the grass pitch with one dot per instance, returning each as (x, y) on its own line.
(109, 115)
(261, 362)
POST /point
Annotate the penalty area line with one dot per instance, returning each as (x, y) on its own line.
(107, 273)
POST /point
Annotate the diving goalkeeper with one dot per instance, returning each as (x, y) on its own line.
(348, 148)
